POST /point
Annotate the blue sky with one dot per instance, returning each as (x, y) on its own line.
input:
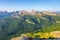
(40, 5)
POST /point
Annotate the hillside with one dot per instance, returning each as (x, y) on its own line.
(14, 26)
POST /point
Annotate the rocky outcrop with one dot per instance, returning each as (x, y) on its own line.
(56, 34)
(22, 38)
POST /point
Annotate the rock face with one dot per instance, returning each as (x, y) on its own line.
(25, 38)
(56, 34)
(17, 38)
(22, 38)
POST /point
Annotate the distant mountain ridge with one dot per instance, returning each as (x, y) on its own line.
(6, 14)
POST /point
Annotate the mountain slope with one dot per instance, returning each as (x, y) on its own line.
(13, 26)
(24, 24)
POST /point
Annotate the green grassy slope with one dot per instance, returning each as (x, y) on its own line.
(12, 27)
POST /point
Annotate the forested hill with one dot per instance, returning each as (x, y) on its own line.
(23, 23)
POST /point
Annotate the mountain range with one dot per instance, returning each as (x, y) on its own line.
(12, 24)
